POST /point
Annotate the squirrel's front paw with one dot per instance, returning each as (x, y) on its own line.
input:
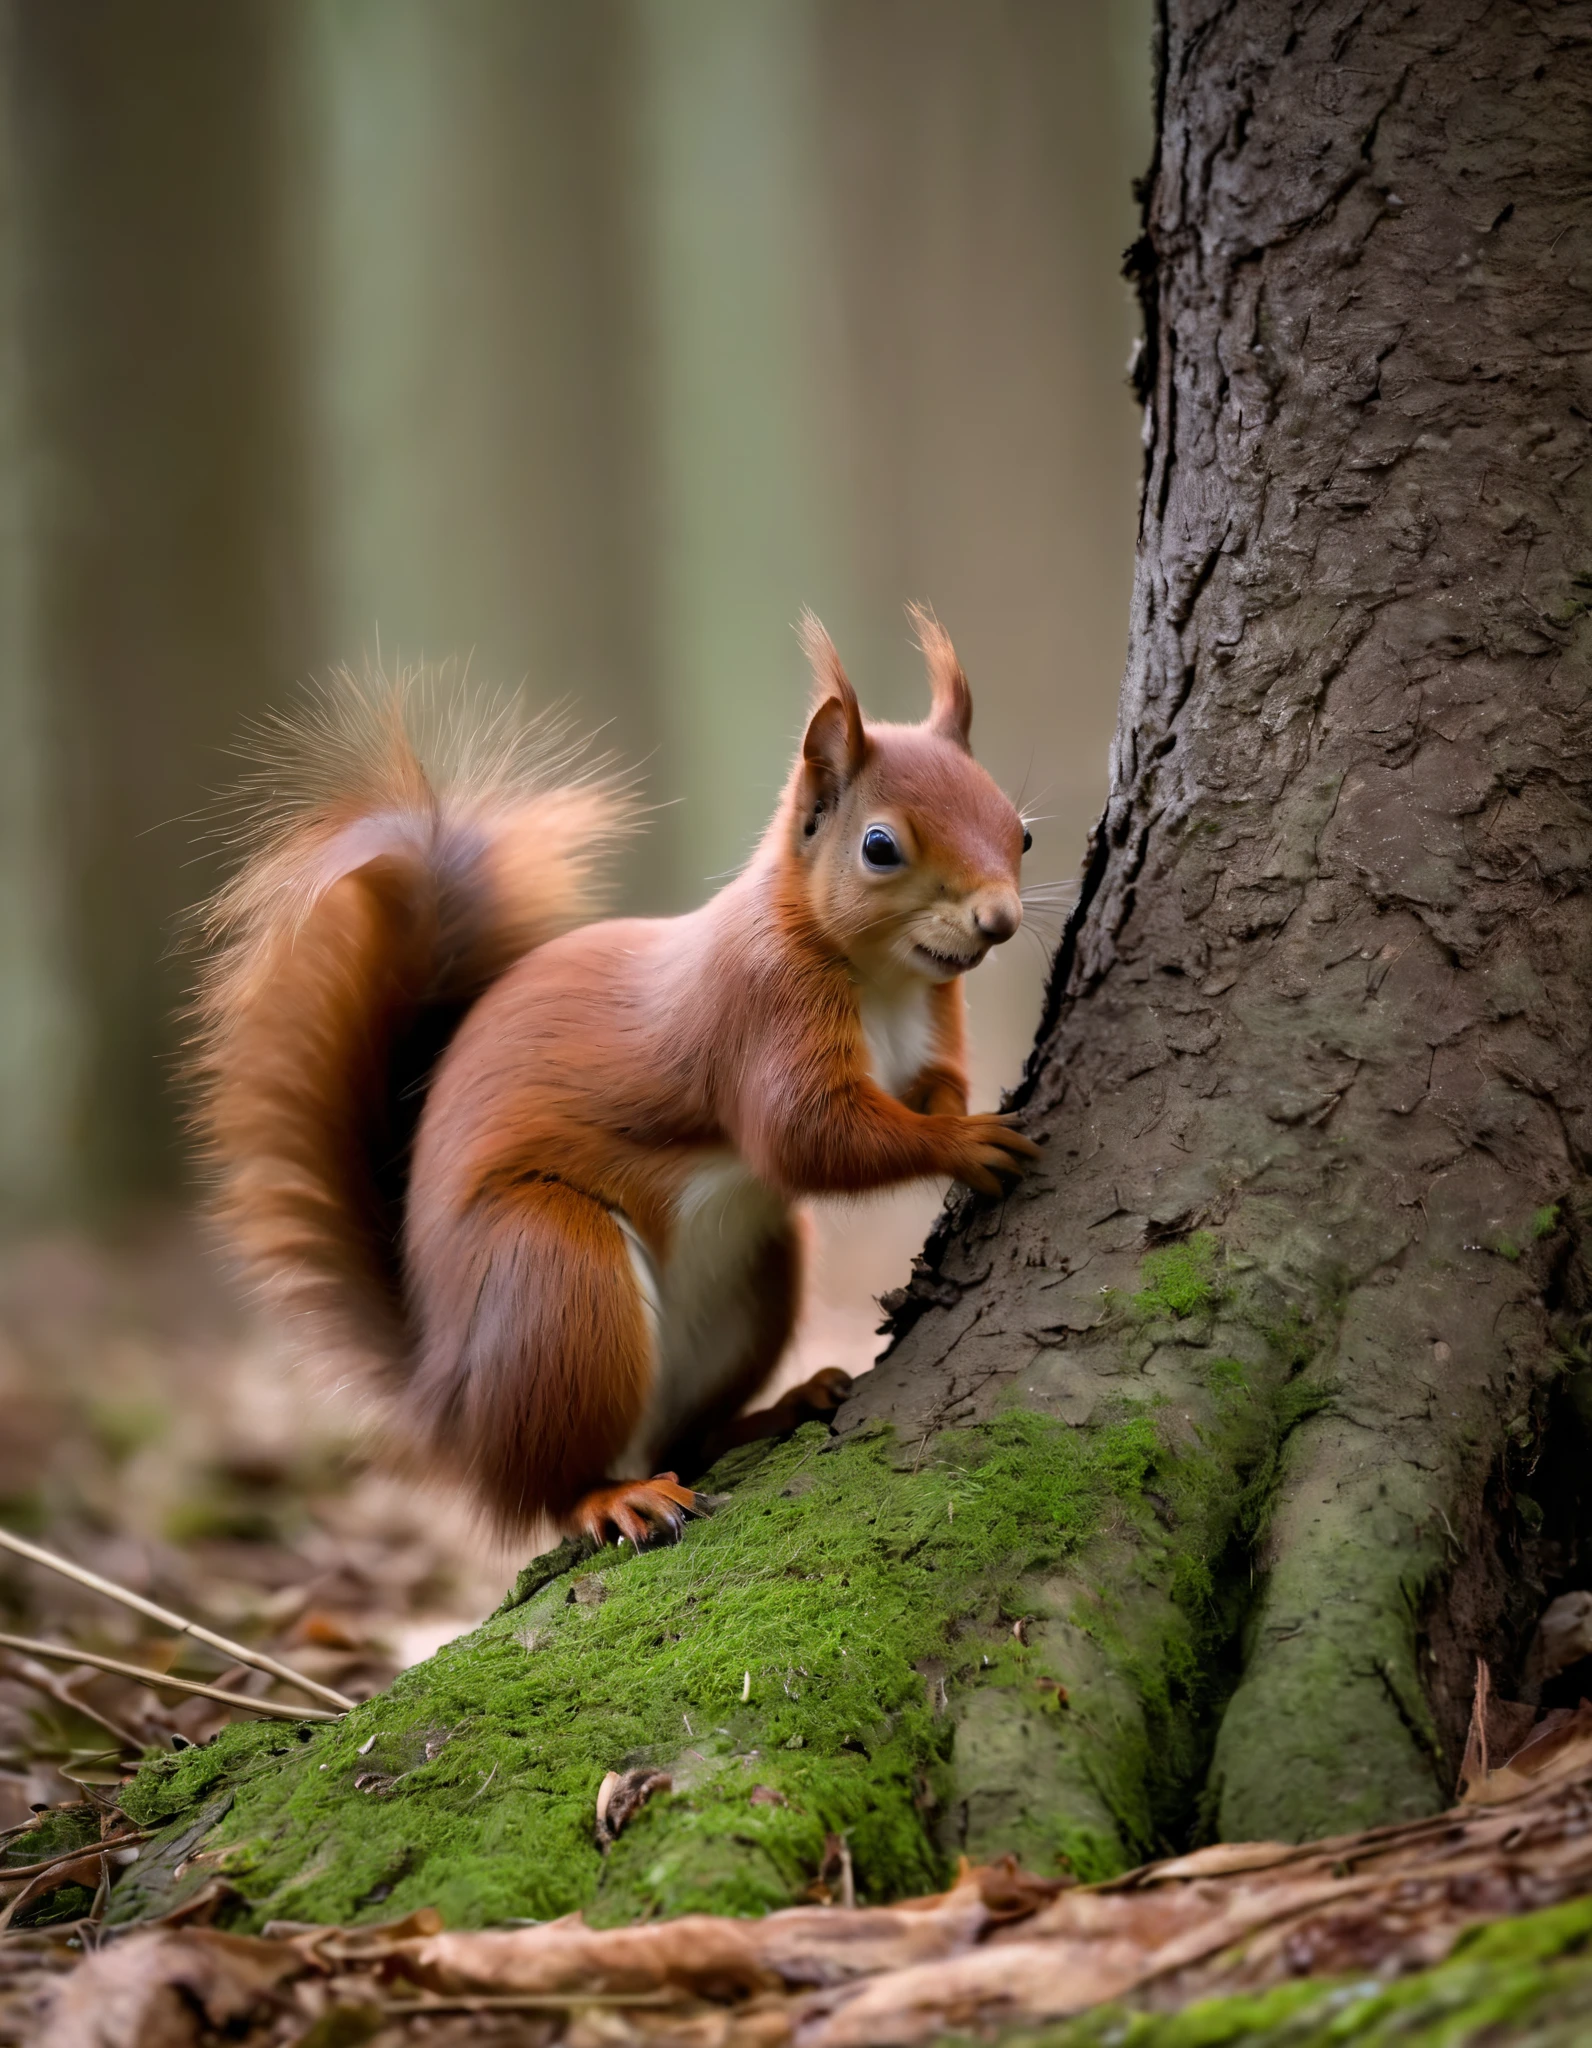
(992, 1155)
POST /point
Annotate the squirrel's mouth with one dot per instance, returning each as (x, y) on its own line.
(946, 964)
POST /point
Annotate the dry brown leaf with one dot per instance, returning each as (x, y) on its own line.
(621, 1796)
(354, 1944)
(1557, 1751)
(1563, 1638)
(1031, 1980)
(153, 1990)
(701, 1954)
(1221, 1859)
(697, 1954)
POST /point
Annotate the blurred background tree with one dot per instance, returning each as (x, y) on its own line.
(588, 339)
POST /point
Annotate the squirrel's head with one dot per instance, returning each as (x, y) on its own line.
(909, 852)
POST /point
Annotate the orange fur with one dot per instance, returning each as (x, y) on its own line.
(586, 1262)
(376, 903)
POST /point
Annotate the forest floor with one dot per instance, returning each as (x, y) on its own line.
(155, 1436)
(152, 1436)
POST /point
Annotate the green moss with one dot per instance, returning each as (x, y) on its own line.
(806, 1640)
(1516, 1980)
(1143, 1634)
(1180, 1280)
(1546, 1221)
(838, 1641)
(67, 1828)
(172, 1785)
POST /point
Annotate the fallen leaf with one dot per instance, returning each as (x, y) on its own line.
(1563, 1637)
(621, 1796)
(156, 1990)
(330, 1631)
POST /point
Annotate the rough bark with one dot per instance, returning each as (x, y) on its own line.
(1200, 1468)
(1327, 991)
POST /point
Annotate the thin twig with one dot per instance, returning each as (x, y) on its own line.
(526, 2001)
(164, 1615)
(71, 1869)
(100, 1848)
(51, 1938)
(102, 1892)
(66, 1654)
(57, 1690)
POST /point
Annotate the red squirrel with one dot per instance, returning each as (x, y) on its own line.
(532, 1176)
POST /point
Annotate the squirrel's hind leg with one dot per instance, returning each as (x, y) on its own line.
(539, 1360)
(815, 1400)
(773, 1296)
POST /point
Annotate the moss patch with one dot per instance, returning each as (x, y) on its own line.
(806, 1641)
(1517, 1980)
(67, 1828)
(1180, 1280)
(1017, 1635)
(1143, 1635)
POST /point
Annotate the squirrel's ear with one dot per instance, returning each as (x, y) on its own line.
(833, 745)
(951, 712)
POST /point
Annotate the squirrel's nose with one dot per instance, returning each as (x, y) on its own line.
(997, 915)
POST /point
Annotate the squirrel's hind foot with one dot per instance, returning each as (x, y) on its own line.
(638, 1509)
(815, 1400)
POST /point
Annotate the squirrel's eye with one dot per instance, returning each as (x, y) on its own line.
(1028, 842)
(879, 848)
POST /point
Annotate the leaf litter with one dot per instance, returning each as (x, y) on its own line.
(998, 1950)
(167, 1451)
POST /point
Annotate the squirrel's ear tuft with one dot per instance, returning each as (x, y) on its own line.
(829, 678)
(834, 745)
(951, 712)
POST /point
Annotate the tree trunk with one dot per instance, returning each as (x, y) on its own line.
(1200, 1469)
(1326, 996)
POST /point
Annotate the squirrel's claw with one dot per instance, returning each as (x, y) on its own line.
(995, 1155)
(638, 1510)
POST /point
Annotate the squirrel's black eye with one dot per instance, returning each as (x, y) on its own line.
(1028, 842)
(879, 848)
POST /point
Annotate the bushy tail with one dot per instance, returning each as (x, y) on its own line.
(402, 850)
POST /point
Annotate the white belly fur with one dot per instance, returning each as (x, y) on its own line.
(702, 1304)
(898, 1034)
